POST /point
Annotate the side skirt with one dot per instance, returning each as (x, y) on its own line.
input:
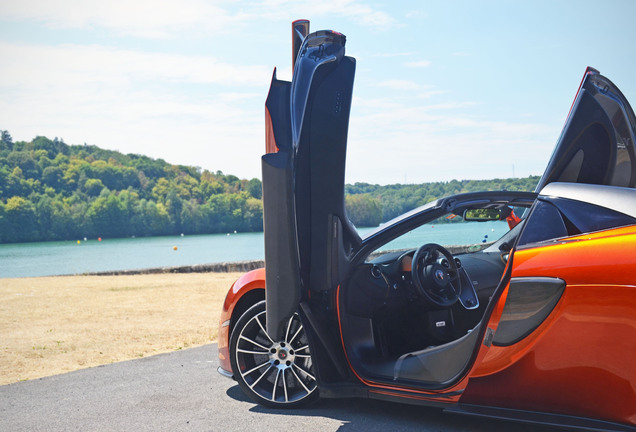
(445, 402)
(350, 390)
(546, 419)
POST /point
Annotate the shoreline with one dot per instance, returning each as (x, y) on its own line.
(223, 267)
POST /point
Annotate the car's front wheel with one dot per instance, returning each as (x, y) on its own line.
(275, 372)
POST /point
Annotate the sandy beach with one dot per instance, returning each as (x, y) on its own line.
(52, 325)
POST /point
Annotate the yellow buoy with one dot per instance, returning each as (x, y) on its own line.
(78, 242)
(174, 248)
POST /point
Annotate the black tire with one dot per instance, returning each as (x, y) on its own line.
(272, 372)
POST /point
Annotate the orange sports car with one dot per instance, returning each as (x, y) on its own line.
(537, 326)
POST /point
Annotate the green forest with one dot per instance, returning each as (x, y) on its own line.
(371, 204)
(50, 190)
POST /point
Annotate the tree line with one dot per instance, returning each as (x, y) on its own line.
(372, 204)
(50, 190)
(53, 191)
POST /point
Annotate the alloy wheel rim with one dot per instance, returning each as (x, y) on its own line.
(277, 371)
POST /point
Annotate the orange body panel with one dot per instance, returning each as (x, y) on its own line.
(580, 361)
(270, 140)
(252, 280)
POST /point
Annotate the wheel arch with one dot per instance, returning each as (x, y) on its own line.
(247, 300)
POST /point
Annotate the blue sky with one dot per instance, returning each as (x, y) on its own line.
(443, 90)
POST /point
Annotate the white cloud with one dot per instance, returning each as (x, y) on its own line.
(293, 9)
(415, 90)
(142, 18)
(416, 14)
(429, 94)
(398, 84)
(184, 109)
(163, 19)
(418, 64)
(41, 66)
(440, 142)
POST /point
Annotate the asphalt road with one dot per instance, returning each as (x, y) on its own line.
(182, 391)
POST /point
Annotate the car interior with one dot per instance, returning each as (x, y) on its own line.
(414, 315)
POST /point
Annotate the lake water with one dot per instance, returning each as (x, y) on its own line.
(71, 257)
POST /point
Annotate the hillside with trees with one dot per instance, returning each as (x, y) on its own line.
(50, 190)
(369, 204)
(53, 191)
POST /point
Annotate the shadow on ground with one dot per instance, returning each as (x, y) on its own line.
(371, 415)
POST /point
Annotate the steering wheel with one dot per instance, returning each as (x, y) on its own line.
(438, 284)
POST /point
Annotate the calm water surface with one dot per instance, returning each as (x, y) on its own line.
(69, 257)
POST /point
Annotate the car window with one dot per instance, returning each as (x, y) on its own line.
(556, 218)
(544, 223)
(581, 217)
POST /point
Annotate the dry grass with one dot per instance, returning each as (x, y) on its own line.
(51, 325)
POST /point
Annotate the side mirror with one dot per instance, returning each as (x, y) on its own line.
(482, 215)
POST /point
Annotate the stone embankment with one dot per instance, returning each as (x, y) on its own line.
(226, 267)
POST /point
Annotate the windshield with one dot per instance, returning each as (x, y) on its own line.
(452, 232)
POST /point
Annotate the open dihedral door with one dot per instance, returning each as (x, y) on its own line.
(305, 225)
(596, 145)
